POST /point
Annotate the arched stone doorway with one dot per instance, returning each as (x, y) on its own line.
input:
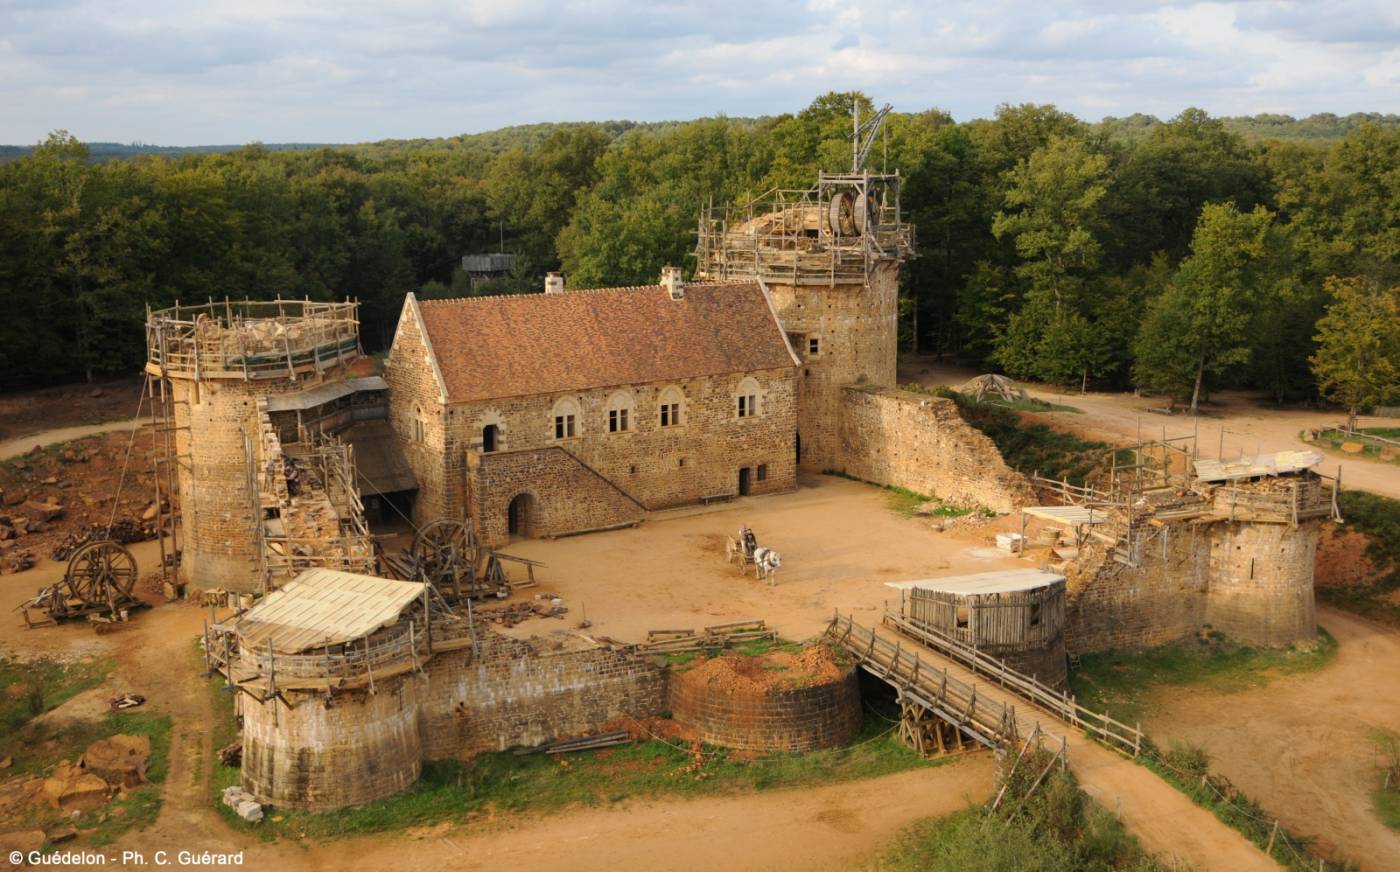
(520, 517)
(490, 434)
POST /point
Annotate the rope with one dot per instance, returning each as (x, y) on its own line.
(126, 463)
(389, 502)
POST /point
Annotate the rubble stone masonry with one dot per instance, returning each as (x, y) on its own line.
(922, 443)
(855, 327)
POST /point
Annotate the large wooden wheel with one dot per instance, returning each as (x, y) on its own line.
(101, 573)
(445, 553)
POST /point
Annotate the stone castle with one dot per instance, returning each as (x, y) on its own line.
(579, 410)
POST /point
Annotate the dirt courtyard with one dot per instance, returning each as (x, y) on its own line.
(839, 540)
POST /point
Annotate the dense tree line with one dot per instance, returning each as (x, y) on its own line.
(1179, 258)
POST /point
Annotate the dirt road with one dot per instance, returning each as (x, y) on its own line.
(1301, 745)
(1249, 425)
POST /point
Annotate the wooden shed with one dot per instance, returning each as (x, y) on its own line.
(1016, 615)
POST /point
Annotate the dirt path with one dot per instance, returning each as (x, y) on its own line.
(1301, 745)
(24, 444)
(1167, 823)
(1249, 425)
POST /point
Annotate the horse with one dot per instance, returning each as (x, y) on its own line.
(766, 562)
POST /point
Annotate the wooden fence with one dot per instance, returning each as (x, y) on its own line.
(1061, 704)
(923, 682)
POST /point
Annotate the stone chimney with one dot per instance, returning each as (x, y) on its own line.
(671, 281)
(554, 283)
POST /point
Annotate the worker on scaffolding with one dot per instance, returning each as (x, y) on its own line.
(293, 475)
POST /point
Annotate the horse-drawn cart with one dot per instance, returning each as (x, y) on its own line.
(747, 552)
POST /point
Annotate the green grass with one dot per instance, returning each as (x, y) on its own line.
(1122, 684)
(1030, 404)
(1058, 829)
(905, 502)
(1388, 806)
(28, 689)
(1383, 432)
(504, 782)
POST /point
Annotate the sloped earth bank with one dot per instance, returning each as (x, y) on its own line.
(1250, 424)
(1302, 745)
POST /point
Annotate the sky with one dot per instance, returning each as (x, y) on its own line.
(185, 72)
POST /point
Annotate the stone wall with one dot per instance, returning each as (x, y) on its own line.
(217, 518)
(1261, 582)
(653, 466)
(922, 443)
(771, 719)
(414, 395)
(523, 693)
(1251, 581)
(856, 329)
(558, 494)
(312, 754)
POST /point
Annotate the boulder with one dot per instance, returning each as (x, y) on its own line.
(151, 511)
(61, 835)
(250, 811)
(70, 787)
(7, 532)
(16, 498)
(42, 511)
(120, 760)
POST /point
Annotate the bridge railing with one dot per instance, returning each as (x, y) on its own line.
(1062, 705)
(923, 682)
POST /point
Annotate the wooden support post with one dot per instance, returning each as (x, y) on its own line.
(1269, 848)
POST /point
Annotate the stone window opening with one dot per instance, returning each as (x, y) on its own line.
(748, 398)
(814, 346)
(620, 413)
(418, 426)
(565, 420)
(490, 438)
(669, 414)
(762, 471)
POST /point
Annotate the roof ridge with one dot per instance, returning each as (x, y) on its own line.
(577, 291)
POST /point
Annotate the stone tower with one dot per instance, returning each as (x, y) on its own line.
(829, 258)
(213, 368)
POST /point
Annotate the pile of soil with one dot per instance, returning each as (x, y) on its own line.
(811, 666)
(75, 484)
(1341, 559)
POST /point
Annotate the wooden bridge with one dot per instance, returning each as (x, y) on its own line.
(995, 706)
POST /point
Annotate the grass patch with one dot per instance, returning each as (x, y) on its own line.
(1030, 404)
(905, 502)
(1388, 792)
(1122, 684)
(1187, 768)
(503, 782)
(1388, 807)
(1058, 829)
(28, 689)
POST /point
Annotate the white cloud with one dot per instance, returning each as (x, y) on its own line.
(314, 70)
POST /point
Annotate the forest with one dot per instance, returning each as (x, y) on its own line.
(1175, 256)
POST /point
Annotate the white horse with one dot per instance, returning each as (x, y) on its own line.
(766, 562)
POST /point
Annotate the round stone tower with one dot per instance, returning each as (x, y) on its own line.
(216, 366)
(829, 258)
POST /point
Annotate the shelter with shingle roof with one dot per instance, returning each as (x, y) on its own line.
(545, 414)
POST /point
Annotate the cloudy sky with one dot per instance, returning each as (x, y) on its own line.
(184, 72)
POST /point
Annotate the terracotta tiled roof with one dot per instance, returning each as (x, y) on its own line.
(489, 347)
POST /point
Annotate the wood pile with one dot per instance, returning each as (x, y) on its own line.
(709, 638)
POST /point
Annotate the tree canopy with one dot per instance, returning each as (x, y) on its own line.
(1179, 256)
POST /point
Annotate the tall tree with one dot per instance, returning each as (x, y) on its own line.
(1357, 363)
(1200, 326)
